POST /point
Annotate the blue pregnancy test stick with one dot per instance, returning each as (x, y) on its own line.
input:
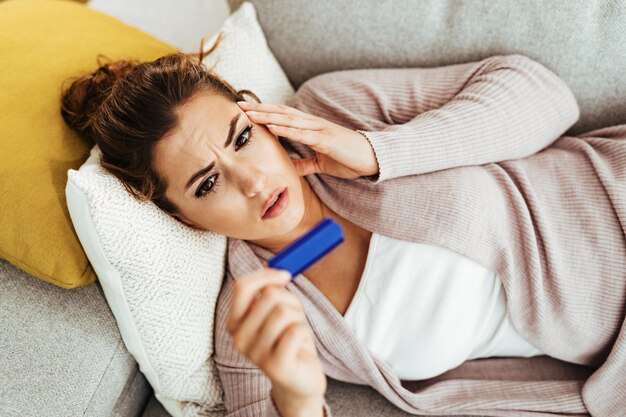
(306, 250)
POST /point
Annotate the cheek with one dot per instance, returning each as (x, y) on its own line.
(281, 156)
(224, 217)
(271, 157)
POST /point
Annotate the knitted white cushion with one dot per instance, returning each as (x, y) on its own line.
(160, 277)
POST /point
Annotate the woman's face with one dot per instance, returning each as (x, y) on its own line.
(228, 198)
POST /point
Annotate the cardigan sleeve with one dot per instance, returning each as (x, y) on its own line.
(247, 393)
(420, 120)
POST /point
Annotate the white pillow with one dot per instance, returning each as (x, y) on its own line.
(244, 59)
(160, 277)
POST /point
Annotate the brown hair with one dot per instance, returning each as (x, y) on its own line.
(126, 107)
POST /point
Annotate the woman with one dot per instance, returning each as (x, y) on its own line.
(503, 237)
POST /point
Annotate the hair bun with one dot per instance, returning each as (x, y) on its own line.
(87, 93)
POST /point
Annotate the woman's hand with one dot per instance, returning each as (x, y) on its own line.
(269, 328)
(340, 152)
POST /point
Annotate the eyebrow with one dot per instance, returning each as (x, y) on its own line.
(229, 139)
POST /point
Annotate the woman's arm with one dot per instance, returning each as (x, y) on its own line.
(420, 120)
(248, 391)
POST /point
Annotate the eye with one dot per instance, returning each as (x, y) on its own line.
(207, 187)
(245, 134)
(210, 184)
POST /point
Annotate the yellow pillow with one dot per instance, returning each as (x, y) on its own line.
(42, 43)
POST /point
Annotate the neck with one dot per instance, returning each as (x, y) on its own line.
(314, 211)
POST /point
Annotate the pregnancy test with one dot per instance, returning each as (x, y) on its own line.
(309, 248)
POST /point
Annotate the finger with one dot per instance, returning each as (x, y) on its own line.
(306, 166)
(289, 343)
(281, 317)
(249, 328)
(289, 120)
(247, 289)
(272, 108)
(308, 137)
(247, 286)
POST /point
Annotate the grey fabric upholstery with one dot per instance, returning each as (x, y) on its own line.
(61, 352)
(583, 41)
(154, 409)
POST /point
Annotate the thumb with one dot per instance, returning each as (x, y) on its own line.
(306, 166)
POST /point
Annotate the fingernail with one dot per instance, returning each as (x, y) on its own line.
(285, 274)
(242, 103)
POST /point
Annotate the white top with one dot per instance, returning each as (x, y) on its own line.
(425, 309)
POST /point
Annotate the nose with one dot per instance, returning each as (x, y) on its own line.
(249, 178)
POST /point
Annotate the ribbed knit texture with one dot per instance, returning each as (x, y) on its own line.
(472, 158)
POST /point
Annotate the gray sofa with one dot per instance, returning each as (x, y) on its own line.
(61, 352)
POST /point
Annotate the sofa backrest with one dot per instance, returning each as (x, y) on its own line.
(583, 41)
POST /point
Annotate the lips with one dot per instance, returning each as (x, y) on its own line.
(271, 200)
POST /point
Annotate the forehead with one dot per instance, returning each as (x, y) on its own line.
(205, 113)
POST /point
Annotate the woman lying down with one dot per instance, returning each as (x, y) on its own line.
(473, 229)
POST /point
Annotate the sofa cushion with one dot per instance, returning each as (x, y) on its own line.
(62, 354)
(43, 43)
(583, 42)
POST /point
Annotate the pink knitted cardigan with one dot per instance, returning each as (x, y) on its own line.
(472, 157)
